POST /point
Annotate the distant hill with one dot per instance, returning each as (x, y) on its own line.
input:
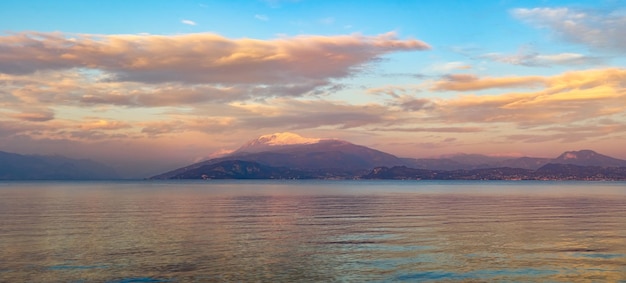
(307, 153)
(37, 167)
(532, 163)
(588, 158)
(477, 161)
(238, 169)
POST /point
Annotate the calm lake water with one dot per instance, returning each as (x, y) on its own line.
(303, 231)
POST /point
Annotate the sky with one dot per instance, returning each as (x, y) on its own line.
(150, 86)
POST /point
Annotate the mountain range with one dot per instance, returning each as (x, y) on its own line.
(38, 167)
(288, 155)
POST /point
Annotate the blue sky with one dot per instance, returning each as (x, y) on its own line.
(178, 81)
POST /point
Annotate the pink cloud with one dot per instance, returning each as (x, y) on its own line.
(468, 82)
(102, 124)
(200, 58)
(34, 116)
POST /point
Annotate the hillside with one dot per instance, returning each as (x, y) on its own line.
(288, 156)
(37, 167)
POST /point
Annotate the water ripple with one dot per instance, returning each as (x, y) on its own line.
(315, 231)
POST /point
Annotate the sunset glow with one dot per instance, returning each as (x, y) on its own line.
(149, 86)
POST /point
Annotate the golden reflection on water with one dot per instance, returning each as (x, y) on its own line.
(119, 233)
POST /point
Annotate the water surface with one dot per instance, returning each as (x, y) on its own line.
(294, 231)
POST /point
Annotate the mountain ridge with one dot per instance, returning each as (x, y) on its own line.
(288, 155)
(15, 166)
(326, 154)
(323, 158)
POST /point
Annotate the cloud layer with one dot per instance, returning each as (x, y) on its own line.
(185, 96)
(584, 26)
(199, 58)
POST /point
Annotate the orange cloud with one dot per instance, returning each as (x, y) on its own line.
(572, 96)
(193, 120)
(104, 125)
(465, 82)
(433, 130)
(288, 114)
(187, 124)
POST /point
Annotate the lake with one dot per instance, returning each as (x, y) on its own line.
(312, 231)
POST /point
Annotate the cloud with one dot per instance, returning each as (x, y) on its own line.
(327, 21)
(218, 153)
(277, 3)
(12, 128)
(403, 98)
(200, 58)
(394, 90)
(555, 107)
(292, 114)
(534, 59)
(570, 133)
(183, 70)
(34, 116)
(449, 67)
(565, 98)
(163, 95)
(468, 82)
(89, 135)
(187, 124)
(189, 22)
(410, 103)
(433, 130)
(261, 17)
(101, 124)
(594, 28)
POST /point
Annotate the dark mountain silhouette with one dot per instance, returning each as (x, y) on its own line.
(477, 161)
(588, 158)
(549, 171)
(337, 157)
(238, 169)
(36, 167)
(435, 164)
(287, 155)
(532, 163)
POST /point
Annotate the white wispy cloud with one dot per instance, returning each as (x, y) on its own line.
(594, 28)
(534, 59)
(327, 21)
(259, 17)
(189, 22)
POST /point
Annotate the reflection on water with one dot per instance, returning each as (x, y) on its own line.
(312, 231)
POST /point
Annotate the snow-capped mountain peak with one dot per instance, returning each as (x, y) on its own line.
(569, 155)
(588, 158)
(275, 140)
(285, 138)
